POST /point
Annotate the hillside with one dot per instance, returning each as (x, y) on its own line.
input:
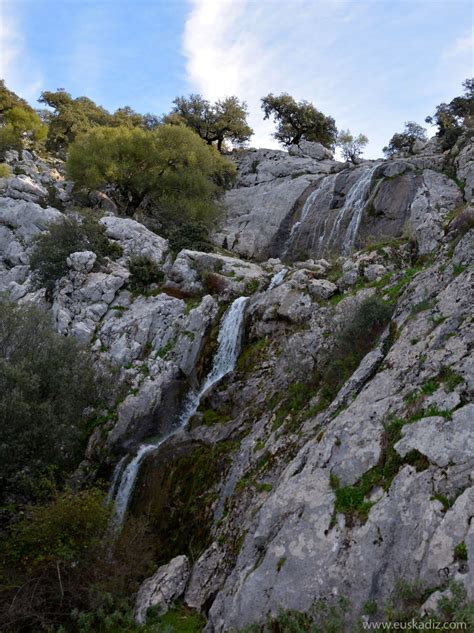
(292, 414)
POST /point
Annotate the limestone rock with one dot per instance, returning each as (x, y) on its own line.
(136, 239)
(163, 588)
(311, 150)
(442, 441)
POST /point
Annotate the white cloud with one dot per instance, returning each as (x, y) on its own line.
(16, 66)
(356, 61)
(462, 46)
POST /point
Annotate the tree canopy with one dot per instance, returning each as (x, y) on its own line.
(451, 117)
(225, 120)
(18, 121)
(351, 147)
(71, 117)
(46, 383)
(404, 141)
(298, 120)
(168, 173)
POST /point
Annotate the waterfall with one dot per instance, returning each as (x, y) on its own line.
(277, 279)
(317, 201)
(223, 362)
(352, 208)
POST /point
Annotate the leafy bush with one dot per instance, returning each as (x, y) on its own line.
(351, 147)
(451, 117)
(70, 235)
(355, 340)
(144, 271)
(46, 384)
(170, 166)
(18, 121)
(5, 170)
(60, 568)
(404, 141)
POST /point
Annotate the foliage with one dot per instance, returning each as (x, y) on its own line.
(450, 117)
(351, 147)
(9, 100)
(5, 170)
(144, 271)
(225, 120)
(353, 342)
(298, 120)
(69, 235)
(170, 173)
(404, 141)
(176, 498)
(351, 500)
(71, 117)
(46, 383)
(59, 567)
(18, 121)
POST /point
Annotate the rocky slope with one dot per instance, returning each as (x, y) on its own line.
(328, 463)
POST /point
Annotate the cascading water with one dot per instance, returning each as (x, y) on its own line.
(317, 201)
(277, 279)
(224, 362)
(351, 212)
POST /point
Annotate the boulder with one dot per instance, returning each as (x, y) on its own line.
(163, 588)
(135, 239)
(311, 150)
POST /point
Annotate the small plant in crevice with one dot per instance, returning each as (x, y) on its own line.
(352, 500)
(143, 272)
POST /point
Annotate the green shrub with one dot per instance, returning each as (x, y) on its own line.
(46, 383)
(169, 172)
(5, 170)
(52, 248)
(59, 567)
(144, 272)
(355, 340)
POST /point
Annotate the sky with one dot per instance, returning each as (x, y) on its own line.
(370, 64)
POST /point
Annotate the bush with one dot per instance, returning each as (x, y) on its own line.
(355, 340)
(60, 568)
(298, 120)
(144, 271)
(5, 170)
(169, 170)
(404, 141)
(70, 235)
(46, 383)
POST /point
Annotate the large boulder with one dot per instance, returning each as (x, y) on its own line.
(135, 239)
(163, 588)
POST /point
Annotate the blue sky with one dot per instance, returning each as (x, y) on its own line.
(371, 64)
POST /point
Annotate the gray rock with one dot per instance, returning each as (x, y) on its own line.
(311, 150)
(374, 272)
(208, 574)
(442, 441)
(321, 288)
(82, 262)
(136, 239)
(163, 588)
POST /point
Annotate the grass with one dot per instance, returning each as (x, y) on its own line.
(179, 619)
(252, 355)
(460, 551)
(352, 500)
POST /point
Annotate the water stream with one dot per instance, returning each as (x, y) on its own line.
(224, 362)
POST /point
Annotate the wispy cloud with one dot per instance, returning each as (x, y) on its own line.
(365, 63)
(464, 45)
(17, 67)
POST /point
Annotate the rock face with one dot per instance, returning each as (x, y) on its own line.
(163, 588)
(337, 457)
(304, 204)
